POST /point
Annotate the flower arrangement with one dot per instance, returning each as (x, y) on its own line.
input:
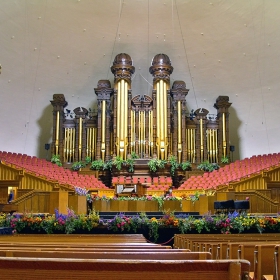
(72, 223)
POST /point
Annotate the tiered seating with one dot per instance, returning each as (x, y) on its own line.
(235, 171)
(109, 257)
(261, 250)
(44, 168)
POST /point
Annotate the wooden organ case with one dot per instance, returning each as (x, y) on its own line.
(149, 126)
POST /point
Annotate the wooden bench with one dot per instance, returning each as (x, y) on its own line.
(126, 255)
(76, 238)
(70, 269)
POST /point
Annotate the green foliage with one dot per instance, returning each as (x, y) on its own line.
(174, 165)
(186, 165)
(77, 165)
(87, 160)
(97, 165)
(108, 165)
(118, 162)
(56, 160)
(130, 163)
(134, 155)
(155, 164)
(207, 166)
(224, 159)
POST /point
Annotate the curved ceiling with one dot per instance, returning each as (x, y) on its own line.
(228, 47)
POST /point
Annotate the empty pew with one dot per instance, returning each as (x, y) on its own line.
(70, 269)
(263, 261)
(158, 255)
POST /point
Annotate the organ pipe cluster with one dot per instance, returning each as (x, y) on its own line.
(149, 125)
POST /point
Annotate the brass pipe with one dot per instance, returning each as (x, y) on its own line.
(216, 144)
(93, 143)
(194, 140)
(162, 125)
(158, 119)
(125, 118)
(201, 138)
(80, 137)
(103, 126)
(150, 134)
(65, 145)
(74, 141)
(118, 117)
(165, 117)
(224, 135)
(57, 133)
(122, 110)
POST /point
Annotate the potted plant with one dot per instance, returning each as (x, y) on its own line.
(174, 165)
(118, 162)
(97, 164)
(224, 160)
(155, 164)
(130, 164)
(207, 166)
(186, 165)
(56, 160)
(87, 160)
(77, 165)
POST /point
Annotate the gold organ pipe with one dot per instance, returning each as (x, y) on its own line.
(224, 135)
(158, 120)
(68, 144)
(90, 143)
(134, 131)
(165, 116)
(216, 145)
(201, 138)
(125, 118)
(208, 145)
(122, 117)
(144, 130)
(57, 133)
(118, 117)
(193, 143)
(103, 126)
(74, 142)
(80, 138)
(150, 141)
(131, 124)
(164, 110)
(122, 110)
(162, 124)
(65, 145)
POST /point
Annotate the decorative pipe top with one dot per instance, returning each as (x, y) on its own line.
(179, 85)
(103, 84)
(122, 58)
(161, 59)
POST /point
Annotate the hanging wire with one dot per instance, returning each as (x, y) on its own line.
(148, 56)
(120, 15)
(259, 71)
(186, 54)
(36, 74)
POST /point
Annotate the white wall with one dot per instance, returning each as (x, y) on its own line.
(226, 47)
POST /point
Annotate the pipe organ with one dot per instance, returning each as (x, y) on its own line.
(149, 126)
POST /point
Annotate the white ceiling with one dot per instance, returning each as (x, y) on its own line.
(228, 47)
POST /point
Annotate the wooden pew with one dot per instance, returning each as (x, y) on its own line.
(264, 260)
(70, 269)
(159, 255)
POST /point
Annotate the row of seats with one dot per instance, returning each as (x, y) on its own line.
(134, 180)
(235, 171)
(43, 168)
